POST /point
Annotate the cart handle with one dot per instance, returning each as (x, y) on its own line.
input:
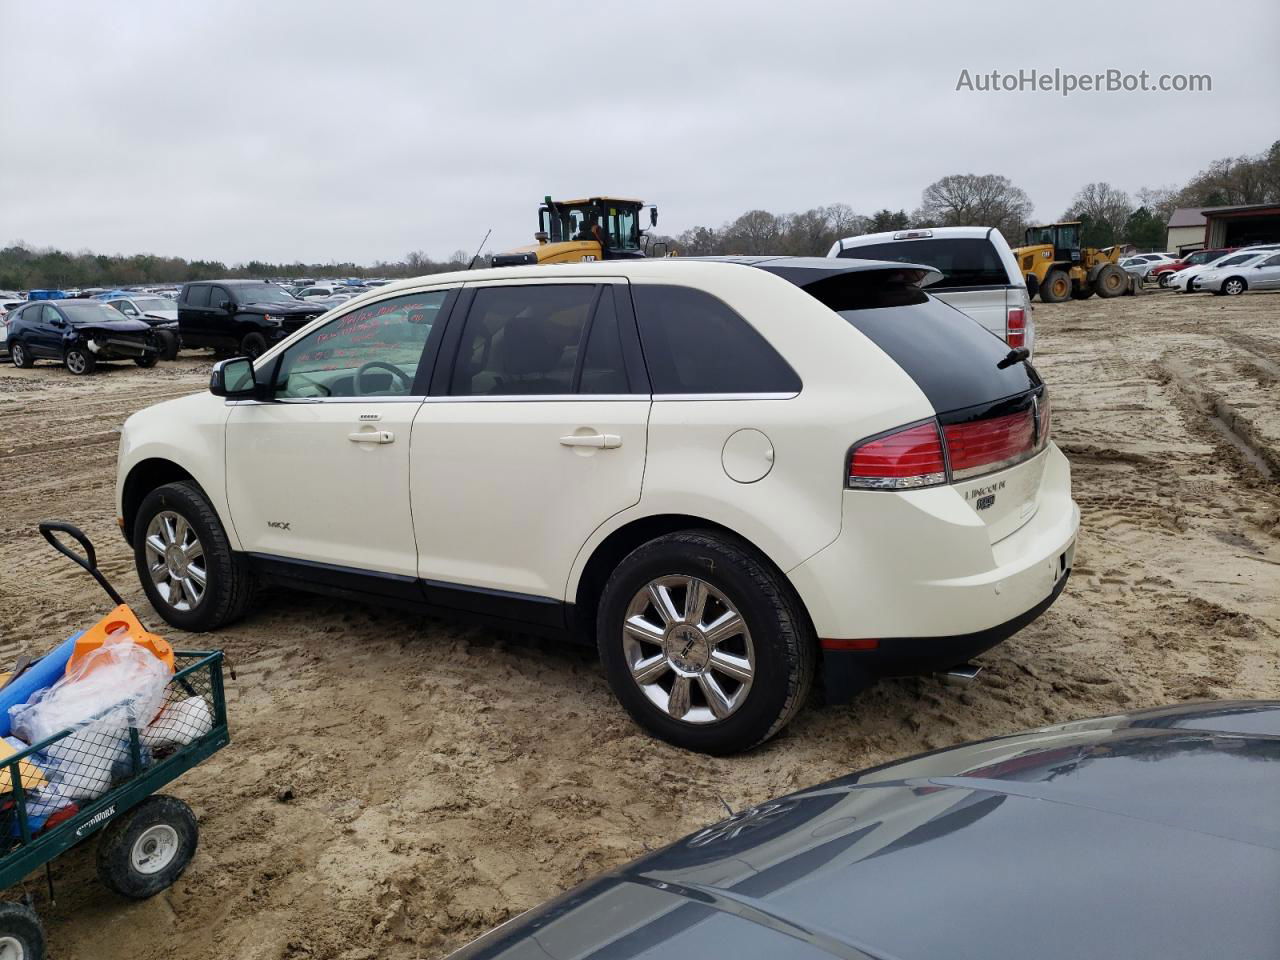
(90, 559)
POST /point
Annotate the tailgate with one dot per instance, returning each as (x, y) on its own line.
(1006, 500)
(987, 306)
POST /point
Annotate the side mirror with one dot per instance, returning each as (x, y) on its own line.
(228, 305)
(233, 379)
(653, 216)
(658, 248)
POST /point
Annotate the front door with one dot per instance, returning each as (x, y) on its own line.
(537, 439)
(49, 334)
(1266, 275)
(321, 473)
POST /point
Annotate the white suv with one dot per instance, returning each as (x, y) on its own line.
(720, 473)
(980, 274)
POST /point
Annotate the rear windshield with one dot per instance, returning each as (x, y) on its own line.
(963, 261)
(951, 357)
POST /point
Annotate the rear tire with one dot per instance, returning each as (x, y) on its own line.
(771, 653)
(175, 590)
(20, 354)
(147, 362)
(21, 933)
(79, 360)
(146, 850)
(1056, 287)
(1111, 281)
(253, 346)
(1164, 280)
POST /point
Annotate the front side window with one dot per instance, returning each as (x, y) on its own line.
(695, 343)
(522, 340)
(50, 316)
(376, 351)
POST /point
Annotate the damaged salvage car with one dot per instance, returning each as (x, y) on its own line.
(730, 476)
(79, 334)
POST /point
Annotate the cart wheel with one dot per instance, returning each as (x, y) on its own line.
(21, 935)
(144, 851)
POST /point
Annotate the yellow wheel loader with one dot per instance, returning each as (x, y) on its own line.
(597, 228)
(1058, 268)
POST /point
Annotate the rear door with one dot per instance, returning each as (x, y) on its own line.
(191, 314)
(534, 436)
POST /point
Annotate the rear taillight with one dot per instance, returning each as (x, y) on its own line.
(986, 445)
(926, 455)
(905, 459)
(1015, 327)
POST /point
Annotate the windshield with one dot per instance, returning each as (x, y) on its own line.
(263, 293)
(85, 311)
(153, 303)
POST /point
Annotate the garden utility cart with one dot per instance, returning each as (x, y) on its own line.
(112, 771)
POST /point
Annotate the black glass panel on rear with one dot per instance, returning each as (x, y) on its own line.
(950, 356)
(963, 261)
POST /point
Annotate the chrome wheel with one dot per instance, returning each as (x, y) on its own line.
(11, 948)
(175, 560)
(76, 361)
(688, 649)
(19, 357)
(1233, 287)
(155, 848)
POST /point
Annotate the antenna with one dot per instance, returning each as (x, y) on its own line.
(481, 247)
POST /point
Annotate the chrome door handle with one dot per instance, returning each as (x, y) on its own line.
(372, 436)
(606, 441)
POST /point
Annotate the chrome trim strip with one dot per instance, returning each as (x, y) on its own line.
(541, 397)
(668, 397)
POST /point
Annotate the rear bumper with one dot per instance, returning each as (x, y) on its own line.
(913, 583)
(845, 672)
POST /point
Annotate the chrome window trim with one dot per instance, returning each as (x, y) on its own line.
(668, 397)
(541, 397)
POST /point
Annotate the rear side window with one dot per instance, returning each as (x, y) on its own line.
(695, 343)
(963, 261)
(522, 340)
(198, 296)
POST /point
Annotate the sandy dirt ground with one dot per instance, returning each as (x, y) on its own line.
(396, 785)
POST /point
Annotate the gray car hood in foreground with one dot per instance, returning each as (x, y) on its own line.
(1155, 834)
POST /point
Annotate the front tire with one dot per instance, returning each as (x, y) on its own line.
(253, 346)
(704, 644)
(168, 344)
(1233, 286)
(79, 360)
(185, 562)
(146, 850)
(21, 355)
(1056, 287)
(147, 362)
(21, 934)
(1111, 281)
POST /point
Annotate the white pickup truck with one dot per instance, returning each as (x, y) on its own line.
(980, 274)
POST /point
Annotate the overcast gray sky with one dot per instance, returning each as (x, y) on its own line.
(283, 130)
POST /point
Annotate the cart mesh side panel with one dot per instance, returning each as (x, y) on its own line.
(68, 772)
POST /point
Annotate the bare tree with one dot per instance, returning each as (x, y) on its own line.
(983, 200)
(1104, 210)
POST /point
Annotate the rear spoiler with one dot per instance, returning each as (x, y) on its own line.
(806, 272)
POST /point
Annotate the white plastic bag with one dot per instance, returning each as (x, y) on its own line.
(118, 686)
(121, 684)
(179, 724)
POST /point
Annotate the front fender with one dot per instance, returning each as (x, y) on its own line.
(188, 434)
